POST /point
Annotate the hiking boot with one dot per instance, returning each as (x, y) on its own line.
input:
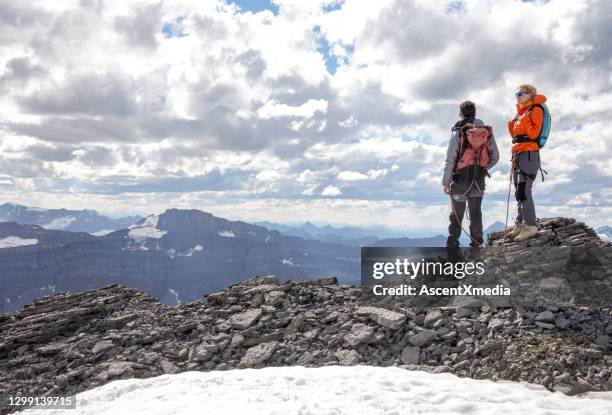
(517, 229)
(528, 231)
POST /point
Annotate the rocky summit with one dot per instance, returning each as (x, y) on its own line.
(565, 263)
(552, 232)
(70, 342)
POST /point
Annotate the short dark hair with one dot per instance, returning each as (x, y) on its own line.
(468, 109)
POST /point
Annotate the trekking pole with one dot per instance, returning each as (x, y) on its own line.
(508, 203)
(460, 222)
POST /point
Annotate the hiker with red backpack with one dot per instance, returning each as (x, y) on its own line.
(529, 131)
(472, 152)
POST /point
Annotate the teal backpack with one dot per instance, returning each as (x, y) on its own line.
(545, 130)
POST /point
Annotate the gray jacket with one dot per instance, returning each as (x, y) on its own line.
(452, 153)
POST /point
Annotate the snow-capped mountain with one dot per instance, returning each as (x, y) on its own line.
(86, 220)
(189, 251)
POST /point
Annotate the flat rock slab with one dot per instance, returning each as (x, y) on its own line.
(102, 346)
(423, 338)
(246, 319)
(546, 316)
(386, 318)
(258, 354)
(360, 333)
(410, 355)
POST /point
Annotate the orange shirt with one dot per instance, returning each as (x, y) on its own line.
(527, 123)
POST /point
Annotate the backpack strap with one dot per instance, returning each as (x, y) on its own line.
(462, 146)
(543, 117)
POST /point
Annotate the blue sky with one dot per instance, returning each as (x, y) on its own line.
(257, 5)
(334, 112)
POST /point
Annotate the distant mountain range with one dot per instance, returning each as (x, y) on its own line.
(92, 222)
(63, 219)
(353, 235)
(375, 236)
(177, 255)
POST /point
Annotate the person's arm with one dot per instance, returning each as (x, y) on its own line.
(493, 153)
(511, 127)
(452, 153)
(533, 122)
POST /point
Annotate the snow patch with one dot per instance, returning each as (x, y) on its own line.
(176, 296)
(140, 234)
(148, 229)
(172, 252)
(60, 223)
(35, 209)
(149, 221)
(227, 234)
(327, 390)
(15, 241)
(190, 251)
(51, 288)
(102, 232)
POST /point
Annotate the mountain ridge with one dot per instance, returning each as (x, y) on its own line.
(86, 220)
(176, 255)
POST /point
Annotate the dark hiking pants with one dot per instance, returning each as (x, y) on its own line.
(523, 178)
(456, 218)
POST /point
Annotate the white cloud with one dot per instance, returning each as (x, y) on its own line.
(331, 190)
(354, 175)
(307, 110)
(236, 105)
(268, 175)
(351, 175)
(351, 121)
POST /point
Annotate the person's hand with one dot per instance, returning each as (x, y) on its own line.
(514, 163)
(447, 190)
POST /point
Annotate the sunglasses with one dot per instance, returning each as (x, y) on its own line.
(520, 94)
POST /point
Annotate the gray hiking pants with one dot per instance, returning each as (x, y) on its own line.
(523, 177)
(474, 205)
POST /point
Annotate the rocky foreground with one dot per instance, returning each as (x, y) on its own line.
(70, 342)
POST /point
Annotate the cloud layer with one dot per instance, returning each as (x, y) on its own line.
(333, 111)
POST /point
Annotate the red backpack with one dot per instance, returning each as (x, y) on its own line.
(473, 149)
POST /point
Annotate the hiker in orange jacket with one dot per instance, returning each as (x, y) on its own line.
(525, 130)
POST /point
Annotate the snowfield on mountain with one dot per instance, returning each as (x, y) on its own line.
(327, 390)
